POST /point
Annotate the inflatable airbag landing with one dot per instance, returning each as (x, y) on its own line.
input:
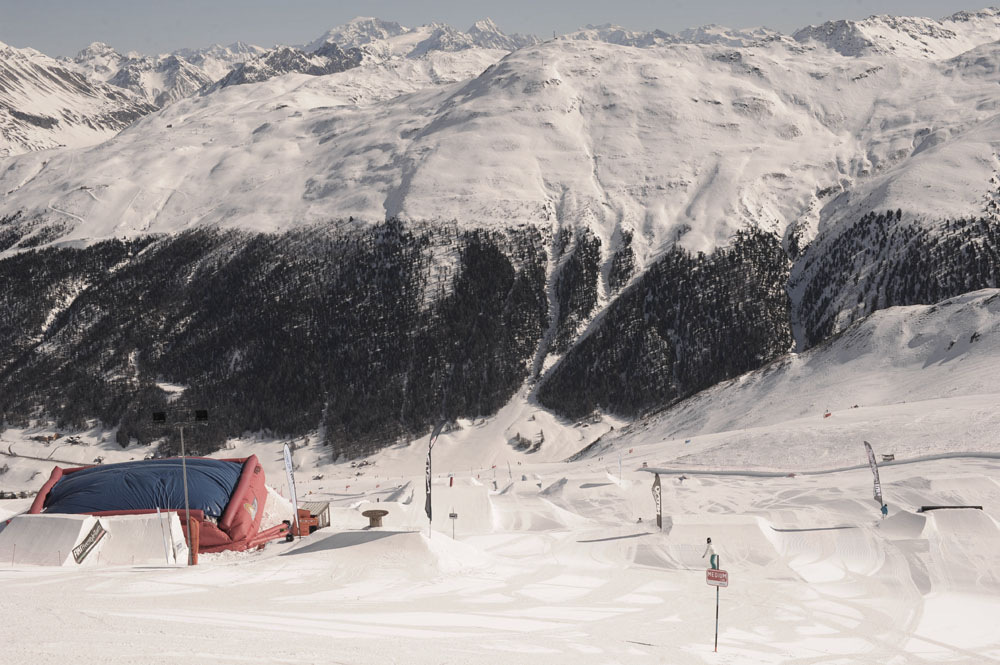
(145, 485)
(226, 496)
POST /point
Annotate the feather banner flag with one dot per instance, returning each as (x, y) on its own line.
(871, 463)
(430, 445)
(291, 487)
(656, 498)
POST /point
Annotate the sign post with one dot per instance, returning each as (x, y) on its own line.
(453, 516)
(717, 578)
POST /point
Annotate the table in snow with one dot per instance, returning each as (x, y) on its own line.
(375, 516)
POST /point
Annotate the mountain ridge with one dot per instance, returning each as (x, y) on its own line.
(47, 105)
(914, 37)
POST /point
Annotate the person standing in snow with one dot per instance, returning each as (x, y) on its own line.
(885, 510)
(713, 558)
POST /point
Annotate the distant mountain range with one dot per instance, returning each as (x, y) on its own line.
(46, 104)
(909, 37)
(161, 80)
(156, 81)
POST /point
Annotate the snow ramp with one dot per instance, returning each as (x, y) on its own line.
(85, 540)
(378, 556)
(816, 554)
(739, 540)
(521, 505)
(962, 546)
(828, 553)
(469, 499)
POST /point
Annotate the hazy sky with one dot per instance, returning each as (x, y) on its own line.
(64, 27)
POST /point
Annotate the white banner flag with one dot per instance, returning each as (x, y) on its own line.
(291, 486)
(871, 463)
(656, 498)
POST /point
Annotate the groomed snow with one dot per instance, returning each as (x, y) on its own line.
(550, 563)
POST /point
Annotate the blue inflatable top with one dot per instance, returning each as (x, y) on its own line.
(146, 485)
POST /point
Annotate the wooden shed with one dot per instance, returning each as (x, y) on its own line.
(312, 515)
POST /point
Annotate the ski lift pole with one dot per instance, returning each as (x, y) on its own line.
(182, 418)
(187, 507)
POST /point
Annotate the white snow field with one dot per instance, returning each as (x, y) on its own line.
(550, 563)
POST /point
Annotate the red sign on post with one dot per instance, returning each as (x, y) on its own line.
(717, 577)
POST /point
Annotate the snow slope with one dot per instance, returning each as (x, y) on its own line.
(550, 561)
(923, 377)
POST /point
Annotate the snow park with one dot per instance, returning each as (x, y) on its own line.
(425, 345)
(556, 556)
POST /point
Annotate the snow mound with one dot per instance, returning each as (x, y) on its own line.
(373, 553)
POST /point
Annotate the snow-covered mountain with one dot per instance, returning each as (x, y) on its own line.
(486, 34)
(686, 208)
(160, 80)
(708, 34)
(99, 61)
(681, 142)
(397, 59)
(216, 61)
(428, 55)
(391, 39)
(910, 37)
(727, 258)
(358, 32)
(46, 104)
(164, 81)
(281, 60)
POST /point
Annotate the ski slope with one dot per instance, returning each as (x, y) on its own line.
(550, 561)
